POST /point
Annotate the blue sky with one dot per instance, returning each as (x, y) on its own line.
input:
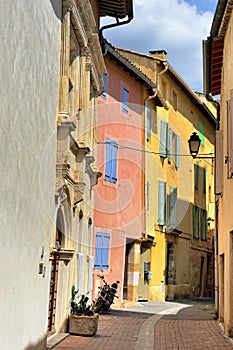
(203, 5)
(177, 26)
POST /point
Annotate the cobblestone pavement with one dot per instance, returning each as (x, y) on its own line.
(192, 327)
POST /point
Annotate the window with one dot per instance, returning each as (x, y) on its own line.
(177, 156)
(194, 220)
(173, 147)
(201, 132)
(170, 144)
(147, 195)
(161, 203)
(111, 161)
(196, 172)
(105, 79)
(101, 251)
(125, 100)
(199, 223)
(163, 139)
(80, 261)
(148, 121)
(172, 207)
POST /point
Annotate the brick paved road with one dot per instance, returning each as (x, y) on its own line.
(191, 328)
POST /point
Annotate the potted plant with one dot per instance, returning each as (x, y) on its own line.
(83, 320)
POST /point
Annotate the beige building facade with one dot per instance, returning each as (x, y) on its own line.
(53, 72)
(218, 78)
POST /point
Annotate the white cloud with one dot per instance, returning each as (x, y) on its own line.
(172, 25)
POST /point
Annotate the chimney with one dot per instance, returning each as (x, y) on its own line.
(162, 54)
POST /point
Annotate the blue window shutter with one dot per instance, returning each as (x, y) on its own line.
(105, 79)
(108, 160)
(101, 251)
(111, 161)
(194, 220)
(172, 207)
(170, 133)
(201, 132)
(196, 175)
(98, 250)
(177, 158)
(105, 251)
(125, 99)
(148, 121)
(204, 180)
(114, 162)
(163, 139)
(161, 203)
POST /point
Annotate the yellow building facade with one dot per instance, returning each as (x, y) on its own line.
(179, 190)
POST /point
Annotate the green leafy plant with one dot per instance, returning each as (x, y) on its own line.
(80, 307)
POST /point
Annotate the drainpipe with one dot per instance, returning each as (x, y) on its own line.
(160, 73)
(155, 92)
(117, 24)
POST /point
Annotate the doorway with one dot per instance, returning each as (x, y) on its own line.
(143, 287)
(53, 293)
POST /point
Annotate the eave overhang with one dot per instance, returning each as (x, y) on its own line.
(116, 8)
(137, 74)
(213, 48)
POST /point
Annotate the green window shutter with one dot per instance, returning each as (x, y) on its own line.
(177, 158)
(204, 180)
(172, 207)
(170, 132)
(161, 203)
(163, 139)
(206, 225)
(201, 132)
(148, 121)
(200, 222)
(196, 175)
(194, 221)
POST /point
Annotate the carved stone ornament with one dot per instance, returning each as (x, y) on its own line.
(92, 170)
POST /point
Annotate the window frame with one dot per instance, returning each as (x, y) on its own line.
(125, 100)
(111, 151)
(102, 246)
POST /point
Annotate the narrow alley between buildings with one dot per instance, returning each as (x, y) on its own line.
(186, 324)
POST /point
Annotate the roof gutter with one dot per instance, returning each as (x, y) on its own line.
(111, 25)
(218, 18)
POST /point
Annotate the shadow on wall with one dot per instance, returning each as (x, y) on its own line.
(40, 345)
(57, 8)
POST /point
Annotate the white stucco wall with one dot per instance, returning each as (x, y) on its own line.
(29, 71)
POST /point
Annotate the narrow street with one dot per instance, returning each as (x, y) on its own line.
(170, 325)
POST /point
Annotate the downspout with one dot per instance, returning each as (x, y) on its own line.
(159, 75)
(155, 92)
(117, 24)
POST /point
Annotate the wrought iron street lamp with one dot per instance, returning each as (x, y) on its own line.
(194, 145)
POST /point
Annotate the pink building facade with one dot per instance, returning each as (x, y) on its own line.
(119, 195)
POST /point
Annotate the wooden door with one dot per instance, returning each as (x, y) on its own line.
(53, 293)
